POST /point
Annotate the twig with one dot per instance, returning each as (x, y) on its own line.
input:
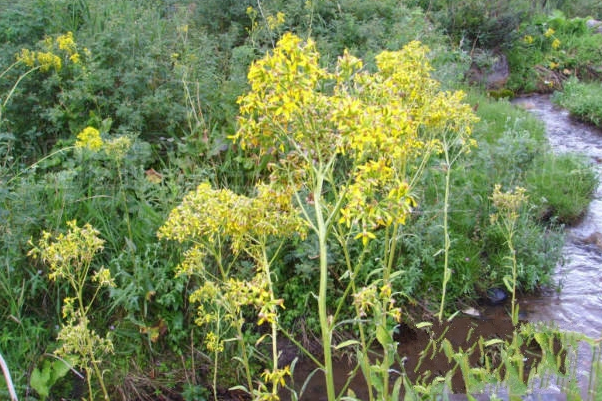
(9, 382)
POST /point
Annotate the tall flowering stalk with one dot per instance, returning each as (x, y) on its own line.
(349, 146)
(383, 125)
(222, 228)
(70, 258)
(509, 205)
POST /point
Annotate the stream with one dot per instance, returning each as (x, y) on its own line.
(578, 304)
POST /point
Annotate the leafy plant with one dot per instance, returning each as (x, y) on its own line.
(70, 258)
(44, 378)
(582, 99)
(569, 172)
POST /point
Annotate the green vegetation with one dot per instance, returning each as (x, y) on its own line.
(304, 183)
(582, 100)
(551, 49)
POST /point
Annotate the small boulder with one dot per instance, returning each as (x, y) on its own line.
(594, 239)
(594, 25)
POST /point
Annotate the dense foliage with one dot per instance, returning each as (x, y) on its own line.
(211, 123)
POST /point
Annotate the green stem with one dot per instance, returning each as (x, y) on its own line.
(447, 244)
(352, 287)
(274, 323)
(245, 357)
(514, 277)
(325, 325)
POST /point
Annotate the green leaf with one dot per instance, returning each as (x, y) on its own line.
(346, 344)
(493, 342)
(509, 283)
(58, 371)
(40, 379)
(382, 335)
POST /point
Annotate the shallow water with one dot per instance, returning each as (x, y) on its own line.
(578, 304)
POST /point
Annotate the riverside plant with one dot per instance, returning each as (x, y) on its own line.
(345, 149)
(69, 257)
(509, 205)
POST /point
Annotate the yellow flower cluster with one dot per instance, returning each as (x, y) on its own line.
(78, 339)
(206, 214)
(51, 57)
(371, 299)
(275, 22)
(508, 203)
(549, 32)
(68, 252)
(89, 138)
(45, 60)
(117, 148)
(381, 121)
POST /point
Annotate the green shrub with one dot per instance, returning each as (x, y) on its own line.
(561, 187)
(550, 49)
(583, 100)
(478, 23)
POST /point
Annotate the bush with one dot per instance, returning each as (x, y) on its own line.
(549, 49)
(583, 100)
(478, 23)
(561, 187)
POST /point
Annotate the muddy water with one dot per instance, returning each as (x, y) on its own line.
(577, 306)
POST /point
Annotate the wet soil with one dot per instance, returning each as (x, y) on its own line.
(463, 332)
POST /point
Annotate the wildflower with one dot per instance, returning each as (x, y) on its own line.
(528, 39)
(48, 60)
(89, 138)
(549, 32)
(213, 343)
(27, 57)
(275, 22)
(117, 148)
(67, 43)
(103, 278)
(75, 58)
(556, 44)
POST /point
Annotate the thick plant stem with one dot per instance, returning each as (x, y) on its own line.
(447, 243)
(274, 323)
(514, 307)
(325, 325)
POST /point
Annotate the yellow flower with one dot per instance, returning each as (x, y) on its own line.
(49, 60)
(27, 57)
(556, 44)
(89, 138)
(528, 39)
(67, 43)
(549, 32)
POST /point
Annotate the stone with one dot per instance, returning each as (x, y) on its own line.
(594, 239)
(595, 25)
